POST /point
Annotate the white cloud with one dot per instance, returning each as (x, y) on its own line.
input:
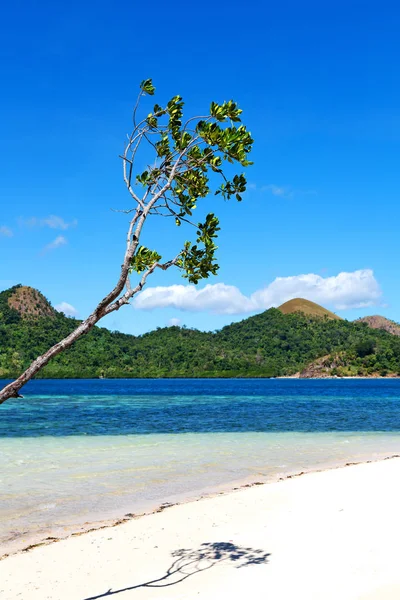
(52, 221)
(67, 309)
(174, 322)
(55, 222)
(278, 190)
(218, 298)
(343, 291)
(60, 240)
(5, 231)
(281, 191)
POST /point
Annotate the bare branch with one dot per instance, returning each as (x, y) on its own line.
(136, 107)
(200, 118)
(125, 211)
(125, 298)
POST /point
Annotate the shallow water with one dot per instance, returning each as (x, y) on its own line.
(80, 452)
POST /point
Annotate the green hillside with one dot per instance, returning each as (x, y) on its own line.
(267, 345)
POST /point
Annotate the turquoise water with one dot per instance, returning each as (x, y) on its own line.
(75, 453)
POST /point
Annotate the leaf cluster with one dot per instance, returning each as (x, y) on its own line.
(144, 259)
(190, 157)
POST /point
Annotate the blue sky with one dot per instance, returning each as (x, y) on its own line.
(320, 92)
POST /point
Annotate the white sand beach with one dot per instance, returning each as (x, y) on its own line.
(323, 536)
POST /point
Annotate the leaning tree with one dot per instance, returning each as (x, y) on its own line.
(189, 163)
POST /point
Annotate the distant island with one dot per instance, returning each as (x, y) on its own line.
(298, 339)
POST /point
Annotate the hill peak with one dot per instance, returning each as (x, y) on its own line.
(307, 307)
(29, 302)
(378, 322)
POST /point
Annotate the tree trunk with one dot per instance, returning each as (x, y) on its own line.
(12, 389)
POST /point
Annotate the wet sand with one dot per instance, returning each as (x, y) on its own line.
(325, 535)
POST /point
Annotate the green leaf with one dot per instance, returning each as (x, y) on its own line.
(143, 178)
(147, 87)
(152, 121)
(158, 110)
(143, 259)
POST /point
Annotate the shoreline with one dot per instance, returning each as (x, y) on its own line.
(100, 525)
(325, 535)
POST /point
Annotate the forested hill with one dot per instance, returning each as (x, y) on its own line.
(267, 345)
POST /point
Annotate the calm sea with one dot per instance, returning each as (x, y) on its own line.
(79, 452)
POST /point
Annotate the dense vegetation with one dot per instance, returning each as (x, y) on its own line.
(266, 345)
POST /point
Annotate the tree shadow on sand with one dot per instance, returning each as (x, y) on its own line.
(190, 562)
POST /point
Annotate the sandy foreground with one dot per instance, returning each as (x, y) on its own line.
(327, 535)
